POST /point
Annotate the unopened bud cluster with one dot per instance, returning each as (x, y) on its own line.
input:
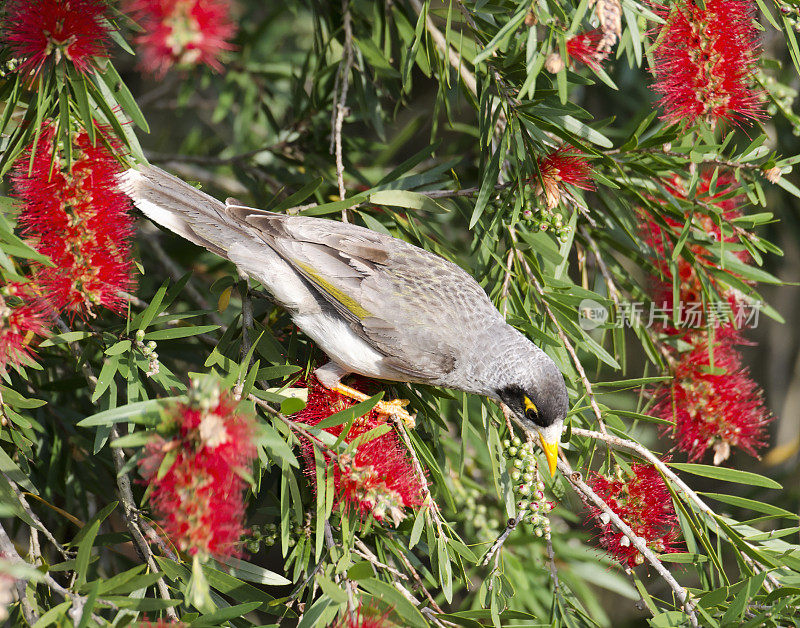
(528, 486)
(148, 350)
(266, 534)
(545, 219)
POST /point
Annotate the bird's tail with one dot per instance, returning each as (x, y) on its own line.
(181, 208)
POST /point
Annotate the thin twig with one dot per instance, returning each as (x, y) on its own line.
(418, 580)
(433, 507)
(511, 525)
(340, 99)
(366, 553)
(78, 602)
(26, 507)
(20, 584)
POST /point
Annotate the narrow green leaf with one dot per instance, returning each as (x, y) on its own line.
(405, 609)
(85, 551)
(179, 332)
(108, 417)
(728, 475)
(123, 96)
(751, 504)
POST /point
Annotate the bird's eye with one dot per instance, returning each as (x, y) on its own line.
(531, 411)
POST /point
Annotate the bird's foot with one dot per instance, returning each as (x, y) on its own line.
(395, 408)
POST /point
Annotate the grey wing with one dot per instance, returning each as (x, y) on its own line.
(411, 305)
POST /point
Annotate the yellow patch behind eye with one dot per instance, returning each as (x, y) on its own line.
(529, 405)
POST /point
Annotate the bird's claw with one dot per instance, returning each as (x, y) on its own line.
(396, 408)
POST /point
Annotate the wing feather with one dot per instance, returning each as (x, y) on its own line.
(408, 303)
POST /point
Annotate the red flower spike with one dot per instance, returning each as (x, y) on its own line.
(717, 407)
(705, 59)
(198, 498)
(19, 324)
(184, 33)
(379, 479)
(583, 48)
(70, 29)
(366, 617)
(644, 503)
(80, 221)
(563, 165)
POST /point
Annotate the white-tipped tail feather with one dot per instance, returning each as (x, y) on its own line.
(181, 208)
(203, 220)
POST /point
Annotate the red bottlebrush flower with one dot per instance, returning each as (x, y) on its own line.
(705, 59)
(19, 324)
(184, 33)
(562, 166)
(644, 503)
(366, 617)
(379, 478)
(583, 48)
(80, 221)
(198, 496)
(713, 408)
(72, 29)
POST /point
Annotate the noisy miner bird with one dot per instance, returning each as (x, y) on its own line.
(376, 305)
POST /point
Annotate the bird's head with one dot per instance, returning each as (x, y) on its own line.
(540, 403)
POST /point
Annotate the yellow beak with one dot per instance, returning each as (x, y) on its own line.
(551, 453)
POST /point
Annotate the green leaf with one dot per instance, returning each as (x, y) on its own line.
(253, 573)
(683, 557)
(105, 378)
(348, 414)
(88, 606)
(506, 31)
(114, 415)
(10, 469)
(488, 183)
(728, 475)
(70, 336)
(310, 616)
(751, 504)
(268, 437)
(219, 617)
(118, 347)
(123, 96)
(405, 609)
(404, 198)
(145, 318)
(360, 570)
(85, 550)
(445, 569)
(179, 332)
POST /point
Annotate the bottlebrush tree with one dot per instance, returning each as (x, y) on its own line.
(611, 172)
